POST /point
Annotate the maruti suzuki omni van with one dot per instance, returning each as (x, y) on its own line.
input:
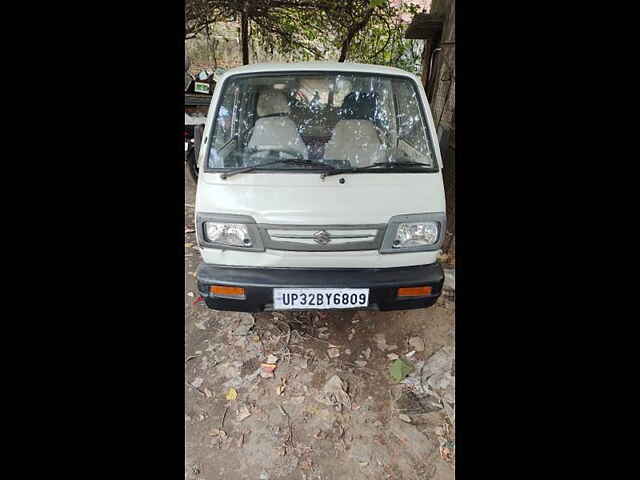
(320, 187)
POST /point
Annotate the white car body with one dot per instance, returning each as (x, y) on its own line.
(291, 198)
(299, 199)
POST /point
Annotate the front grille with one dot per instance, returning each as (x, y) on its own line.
(322, 238)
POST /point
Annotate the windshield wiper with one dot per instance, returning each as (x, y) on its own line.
(288, 161)
(338, 171)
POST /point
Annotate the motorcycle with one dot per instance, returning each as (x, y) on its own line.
(196, 88)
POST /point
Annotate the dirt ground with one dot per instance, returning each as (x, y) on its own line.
(289, 426)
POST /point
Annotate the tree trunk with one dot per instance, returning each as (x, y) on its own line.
(352, 33)
(244, 33)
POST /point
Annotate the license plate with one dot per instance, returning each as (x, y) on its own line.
(319, 298)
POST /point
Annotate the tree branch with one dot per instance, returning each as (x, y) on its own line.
(389, 34)
(352, 32)
(287, 37)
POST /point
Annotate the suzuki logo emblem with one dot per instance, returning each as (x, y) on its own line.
(322, 237)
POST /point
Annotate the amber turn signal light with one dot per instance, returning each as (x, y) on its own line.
(414, 292)
(228, 292)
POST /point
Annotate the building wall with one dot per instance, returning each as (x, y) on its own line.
(444, 92)
(443, 100)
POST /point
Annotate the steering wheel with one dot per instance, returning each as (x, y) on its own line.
(276, 149)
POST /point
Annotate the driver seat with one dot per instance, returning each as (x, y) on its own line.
(355, 137)
(274, 129)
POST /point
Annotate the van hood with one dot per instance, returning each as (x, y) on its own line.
(306, 199)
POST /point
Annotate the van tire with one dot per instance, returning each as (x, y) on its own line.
(192, 165)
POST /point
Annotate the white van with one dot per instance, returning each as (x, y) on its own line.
(320, 187)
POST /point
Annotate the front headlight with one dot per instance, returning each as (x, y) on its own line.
(416, 234)
(419, 232)
(235, 234)
(228, 232)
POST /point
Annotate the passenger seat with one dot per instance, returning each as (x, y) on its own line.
(274, 128)
(356, 141)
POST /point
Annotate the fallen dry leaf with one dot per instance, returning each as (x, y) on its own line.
(445, 453)
(405, 418)
(280, 389)
(243, 413)
(218, 433)
(266, 370)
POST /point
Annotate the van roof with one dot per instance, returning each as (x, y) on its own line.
(317, 66)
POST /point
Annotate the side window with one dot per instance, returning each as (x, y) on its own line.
(224, 120)
(244, 118)
(411, 128)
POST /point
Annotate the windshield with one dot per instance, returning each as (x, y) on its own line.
(345, 120)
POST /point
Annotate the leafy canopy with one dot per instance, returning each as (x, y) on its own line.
(365, 31)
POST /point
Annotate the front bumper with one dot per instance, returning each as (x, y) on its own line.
(258, 283)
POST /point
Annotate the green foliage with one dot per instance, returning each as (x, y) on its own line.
(382, 42)
(369, 31)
